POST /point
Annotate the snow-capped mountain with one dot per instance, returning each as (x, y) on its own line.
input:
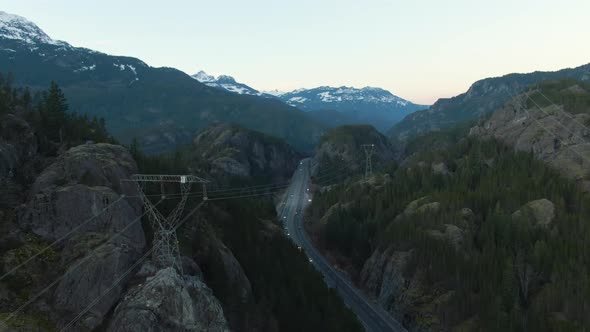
(343, 98)
(23, 42)
(370, 105)
(162, 107)
(18, 28)
(275, 92)
(228, 83)
(331, 106)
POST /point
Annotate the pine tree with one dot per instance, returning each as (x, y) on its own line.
(54, 109)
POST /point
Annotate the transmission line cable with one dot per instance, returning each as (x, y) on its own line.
(63, 237)
(548, 130)
(127, 272)
(78, 264)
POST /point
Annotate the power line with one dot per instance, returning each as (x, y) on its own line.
(564, 112)
(546, 129)
(100, 297)
(63, 237)
(166, 252)
(257, 188)
(79, 263)
(118, 280)
(556, 120)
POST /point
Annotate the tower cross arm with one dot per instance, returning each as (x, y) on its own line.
(167, 178)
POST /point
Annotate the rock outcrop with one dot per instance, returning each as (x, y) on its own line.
(341, 151)
(382, 276)
(553, 134)
(230, 151)
(541, 212)
(80, 197)
(167, 301)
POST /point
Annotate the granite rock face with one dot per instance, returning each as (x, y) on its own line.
(227, 150)
(81, 197)
(551, 133)
(169, 302)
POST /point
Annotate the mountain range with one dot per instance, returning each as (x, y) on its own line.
(163, 107)
(332, 106)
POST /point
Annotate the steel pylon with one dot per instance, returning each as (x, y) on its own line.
(369, 149)
(166, 252)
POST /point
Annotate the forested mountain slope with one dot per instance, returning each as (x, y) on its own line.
(163, 107)
(341, 152)
(477, 229)
(472, 237)
(74, 241)
(483, 97)
(552, 120)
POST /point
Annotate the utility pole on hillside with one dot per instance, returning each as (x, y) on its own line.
(368, 148)
(166, 252)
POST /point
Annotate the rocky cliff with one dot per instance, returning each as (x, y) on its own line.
(341, 151)
(80, 202)
(557, 134)
(229, 151)
(483, 97)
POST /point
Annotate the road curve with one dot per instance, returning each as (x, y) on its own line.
(290, 210)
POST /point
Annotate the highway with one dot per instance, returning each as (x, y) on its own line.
(297, 197)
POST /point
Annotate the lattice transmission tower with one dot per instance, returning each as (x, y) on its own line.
(369, 149)
(166, 252)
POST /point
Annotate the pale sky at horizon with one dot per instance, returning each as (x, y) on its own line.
(418, 50)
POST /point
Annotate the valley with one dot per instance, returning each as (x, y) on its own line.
(140, 198)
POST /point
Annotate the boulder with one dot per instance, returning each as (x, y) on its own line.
(440, 168)
(428, 207)
(413, 205)
(169, 302)
(541, 212)
(452, 234)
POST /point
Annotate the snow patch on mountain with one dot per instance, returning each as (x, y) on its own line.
(85, 68)
(294, 100)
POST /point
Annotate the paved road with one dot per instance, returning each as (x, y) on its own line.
(297, 197)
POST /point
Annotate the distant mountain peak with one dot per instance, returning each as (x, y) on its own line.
(225, 79)
(342, 94)
(350, 105)
(274, 92)
(228, 83)
(19, 28)
(203, 77)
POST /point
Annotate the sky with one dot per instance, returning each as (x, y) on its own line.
(420, 50)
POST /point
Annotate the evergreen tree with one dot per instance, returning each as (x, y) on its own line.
(54, 113)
